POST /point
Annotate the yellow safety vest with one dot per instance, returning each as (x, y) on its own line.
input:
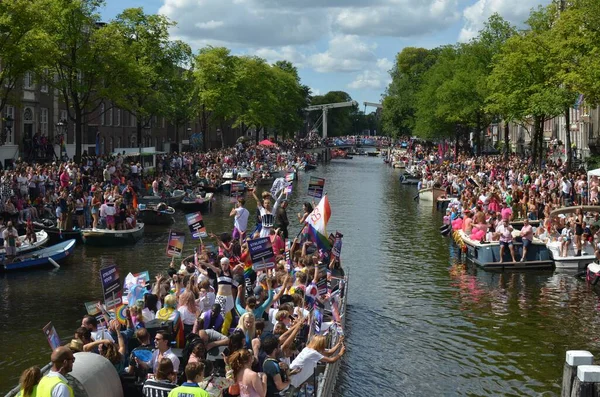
(48, 383)
(33, 392)
(188, 391)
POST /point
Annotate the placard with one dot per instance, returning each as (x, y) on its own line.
(92, 308)
(175, 244)
(288, 257)
(316, 187)
(290, 176)
(322, 281)
(51, 335)
(336, 249)
(237, 190)
(111, 286)
(317, 321)
(261, 253)
(196, 225)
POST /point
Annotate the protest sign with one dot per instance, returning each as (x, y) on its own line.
(322, 281)
(175, 244)
(92, 308)
(261, 253)
(196, 225)
(278, 184)
(336, 249)
(111, 286)
(237, 190)
(288, 257)
(316, 187)
(51, 335)
(317, 321)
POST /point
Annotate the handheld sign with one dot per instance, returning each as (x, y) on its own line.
(51, 335)
(288, 258)
(175, 244)
(196, 225)
(316, 187)
(290, 176)
(237, 190)
(261, 253)
(111, 286)
(92, 308)
(336, 249)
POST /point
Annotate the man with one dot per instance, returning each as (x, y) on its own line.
(506, 240)
(240, 222)
(143, 337)
(274, 370)
(281, 219)
(527, 237)
(163, 349)
(91, 323)
(194, 373)
(54, 384)
(10, 236)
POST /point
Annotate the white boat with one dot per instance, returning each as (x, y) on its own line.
(244, 175)
(431, 194)
(227, 175)
(24, 246)
(571, 261)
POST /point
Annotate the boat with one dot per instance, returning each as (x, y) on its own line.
(408, 179)
(244, 175)
(372, 154)
(172, 199)
(198, 202)
(593, 273)
(155, 214)
(518, 223)
(226, 187)
(487, 254)
(108, 238)
(24, 246)
(308, 166)
(49, 256)
(431, 194)
(55, 235)
(571, 261)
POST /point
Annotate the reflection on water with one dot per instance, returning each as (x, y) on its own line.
(420, 322)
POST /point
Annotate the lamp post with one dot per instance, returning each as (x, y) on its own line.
(8, 126)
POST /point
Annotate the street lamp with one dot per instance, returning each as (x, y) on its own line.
(8, 125)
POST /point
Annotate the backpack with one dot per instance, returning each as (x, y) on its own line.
(191, 341)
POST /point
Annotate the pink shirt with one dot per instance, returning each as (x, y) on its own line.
(506, 213)
(527, 232)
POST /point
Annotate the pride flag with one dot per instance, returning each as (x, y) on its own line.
(317, 224)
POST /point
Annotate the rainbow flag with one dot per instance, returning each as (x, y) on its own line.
(317, 224)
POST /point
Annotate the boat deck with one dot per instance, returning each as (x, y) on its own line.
(528, 265)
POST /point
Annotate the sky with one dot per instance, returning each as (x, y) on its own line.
(337, 45)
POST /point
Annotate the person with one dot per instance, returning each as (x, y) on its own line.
(143, 350)
(251, 383)
(210, 319)
(54, 384)
(578, 230)
(164, 381)
(10, 236)
(29, 381)
(266, 212)
(274, 370)
(506, 239)
(281, 219)
(527, 237)
(240, 223)
(163, 350)
(194, 374)
(315, 351)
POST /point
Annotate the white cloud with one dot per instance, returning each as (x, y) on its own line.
(346, 53)
(376, 78)
(285, 53)
(514, 11)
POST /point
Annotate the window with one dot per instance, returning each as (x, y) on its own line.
(28, 81)
(10, 111)
(109, 117)
(102, 114)
(117, 117)
(44, 82)
(44, 121)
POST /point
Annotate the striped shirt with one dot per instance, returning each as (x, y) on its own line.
(157, 388)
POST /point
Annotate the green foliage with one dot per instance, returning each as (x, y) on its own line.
(340, 121)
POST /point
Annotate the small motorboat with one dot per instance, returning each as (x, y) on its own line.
(55, 235)
(49, 256)
(197, 202)
(155, 214)
(372, 154)
(430, 195)
(226, 186)
(24, 246)
(108, 238)
(172, 199)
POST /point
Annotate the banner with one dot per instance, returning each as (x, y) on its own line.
(237, 190)
(175, 244)
(290, 176)
(111, 286)
(51, 335)
(196, 225)
(261, 253)
(278, 184)
(316, 187)
(288, 189)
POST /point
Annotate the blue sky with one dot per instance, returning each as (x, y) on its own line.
(341, 45)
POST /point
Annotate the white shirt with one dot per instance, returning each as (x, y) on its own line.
(168, 354)
(102, 334)
(307, 360)
(241, 219)
(61, 389)
(187, 317)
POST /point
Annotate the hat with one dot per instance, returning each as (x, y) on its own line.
(76, 345)
(224, 261)
(262, 278)
(258, 290)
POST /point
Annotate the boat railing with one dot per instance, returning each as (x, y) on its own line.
(15, 391)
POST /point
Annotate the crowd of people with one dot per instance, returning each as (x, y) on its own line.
(230, 329)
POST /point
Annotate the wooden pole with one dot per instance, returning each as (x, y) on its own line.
(574, 358)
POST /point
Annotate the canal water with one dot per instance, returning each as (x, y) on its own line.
(419, 322)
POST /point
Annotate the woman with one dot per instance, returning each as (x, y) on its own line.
(224, 297)
(29, 381)
(578, 230)
(251, 384)
(169, 313)
(96, 202)
(266, 212)
(315, 351)
(189, 310)
(247, 325)
(307, 208)
(164, 380)
(150, 307)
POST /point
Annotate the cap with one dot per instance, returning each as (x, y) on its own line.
(262, 278)
(258, 290)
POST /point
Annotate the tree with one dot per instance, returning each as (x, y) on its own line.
(217, 80)
(87, 55)
(292, 98)
(152, 62)
(25, 45)
(339, 120)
